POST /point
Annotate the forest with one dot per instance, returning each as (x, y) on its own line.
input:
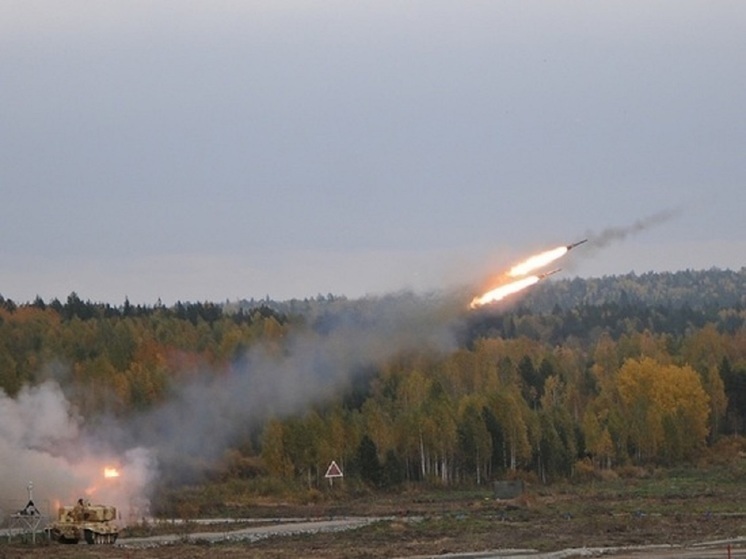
(575, 377)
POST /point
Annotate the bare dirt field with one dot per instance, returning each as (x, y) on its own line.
(676, 515)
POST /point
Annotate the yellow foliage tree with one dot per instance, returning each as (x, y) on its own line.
(666, 408)
(274, 453)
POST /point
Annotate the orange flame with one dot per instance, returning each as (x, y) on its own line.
(499, 293)
(111, 472)
(537, 261)
(521, 270)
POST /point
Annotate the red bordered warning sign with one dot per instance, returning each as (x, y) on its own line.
(333, 471)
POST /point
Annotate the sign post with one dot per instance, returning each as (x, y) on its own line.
(333, 471)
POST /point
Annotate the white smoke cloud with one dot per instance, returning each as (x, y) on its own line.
(42, 441)
(205, 415)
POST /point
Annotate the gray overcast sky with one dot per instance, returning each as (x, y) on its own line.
(218, 150)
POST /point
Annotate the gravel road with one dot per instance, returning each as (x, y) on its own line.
(254, 533)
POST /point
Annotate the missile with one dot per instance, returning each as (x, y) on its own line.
(549, 273)
(572, 246)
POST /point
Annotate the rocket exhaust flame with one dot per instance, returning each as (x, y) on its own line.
(521, 270)
(499, 293)
(537, 261)
(111, 473)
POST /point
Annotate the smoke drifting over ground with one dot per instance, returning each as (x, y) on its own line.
(310, 366)
(43, 440)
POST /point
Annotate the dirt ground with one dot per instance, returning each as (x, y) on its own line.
(416, 524)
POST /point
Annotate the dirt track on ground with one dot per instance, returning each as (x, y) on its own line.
(408, 525)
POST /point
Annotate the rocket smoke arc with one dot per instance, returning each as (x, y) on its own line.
(613, 234)
(44, 439)
(507, 284)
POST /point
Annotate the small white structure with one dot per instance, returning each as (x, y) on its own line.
(28, 519)
(332, 472)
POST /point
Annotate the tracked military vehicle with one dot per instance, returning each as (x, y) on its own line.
(96, 524)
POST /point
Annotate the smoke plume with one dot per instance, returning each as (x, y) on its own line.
(613, 234)
(311, 365)
(44, 440)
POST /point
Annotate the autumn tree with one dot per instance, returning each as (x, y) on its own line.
(475, 444)
(666, 408)
(274, 454)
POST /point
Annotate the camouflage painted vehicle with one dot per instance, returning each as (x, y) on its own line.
(96, 524)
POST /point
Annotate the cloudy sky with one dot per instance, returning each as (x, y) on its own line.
(219, 150)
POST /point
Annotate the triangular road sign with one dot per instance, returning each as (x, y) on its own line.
(333, 471)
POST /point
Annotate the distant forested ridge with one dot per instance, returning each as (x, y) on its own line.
(700, 290)
(576, 376)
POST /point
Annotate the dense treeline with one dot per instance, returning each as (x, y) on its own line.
(583, 384)
(121, 359)
(699, 290)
